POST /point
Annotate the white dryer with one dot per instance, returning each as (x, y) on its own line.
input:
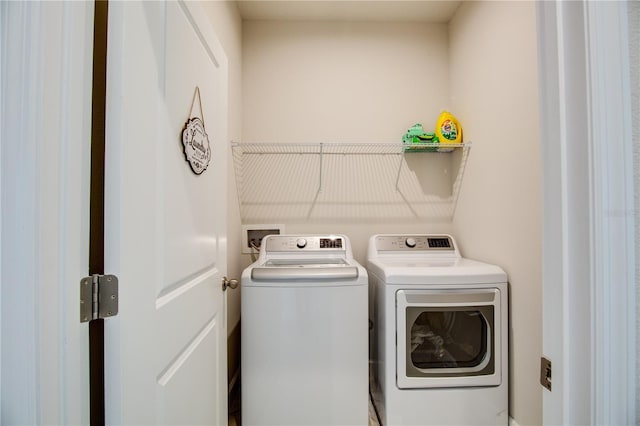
(304, 334)
(440, 349)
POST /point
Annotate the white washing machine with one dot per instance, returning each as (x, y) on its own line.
(304, 334)
(440, 342)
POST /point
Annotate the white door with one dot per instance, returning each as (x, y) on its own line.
(165, 226)
(45, 129)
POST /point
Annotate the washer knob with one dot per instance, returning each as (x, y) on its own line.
(301, 243)
(410, 242)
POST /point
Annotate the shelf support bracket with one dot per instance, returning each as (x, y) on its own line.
(320, 180)
(400, 168)
(458, 181)
(315, 199)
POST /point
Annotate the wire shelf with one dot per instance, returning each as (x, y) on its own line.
(348, 181)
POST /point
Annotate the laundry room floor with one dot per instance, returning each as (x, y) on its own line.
(373, 417)
(235, 418)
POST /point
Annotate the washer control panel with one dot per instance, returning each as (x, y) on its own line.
(415, 243)
(297, 243)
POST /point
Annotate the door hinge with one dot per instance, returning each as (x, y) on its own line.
(98, 297)
(545, 373)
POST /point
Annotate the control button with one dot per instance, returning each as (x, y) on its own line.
(410, 242)
(301, 243)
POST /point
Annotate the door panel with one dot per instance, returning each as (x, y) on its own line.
(165, 225)
(45, 126)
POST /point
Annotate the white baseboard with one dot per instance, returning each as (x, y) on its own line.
(512, 422)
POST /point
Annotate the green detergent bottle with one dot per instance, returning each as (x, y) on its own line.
(416, 136)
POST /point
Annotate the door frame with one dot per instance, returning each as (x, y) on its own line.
(589, 282)
(97, 206)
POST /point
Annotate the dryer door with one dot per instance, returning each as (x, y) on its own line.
(448, 338)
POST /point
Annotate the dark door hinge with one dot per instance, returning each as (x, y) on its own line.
(545, 373)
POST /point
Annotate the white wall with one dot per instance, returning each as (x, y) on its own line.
(498, 218)
(344, 82)
(634, 27)
(341, 81)
(634, 58)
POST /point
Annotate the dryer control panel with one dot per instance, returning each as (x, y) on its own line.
(415, 243)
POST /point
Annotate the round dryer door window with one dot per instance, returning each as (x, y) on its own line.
(448, 338)
(449, 341)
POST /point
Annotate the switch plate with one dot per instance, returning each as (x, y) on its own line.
(256, 233)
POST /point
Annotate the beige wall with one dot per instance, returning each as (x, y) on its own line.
(227, 25)
(309, 82)
(498, 218)
(340, 81)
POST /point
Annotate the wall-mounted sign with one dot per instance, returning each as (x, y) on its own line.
(195, 141)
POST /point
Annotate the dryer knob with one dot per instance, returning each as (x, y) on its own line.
(301, 243)
(410, 242)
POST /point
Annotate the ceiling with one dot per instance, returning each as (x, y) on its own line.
(431, 11)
